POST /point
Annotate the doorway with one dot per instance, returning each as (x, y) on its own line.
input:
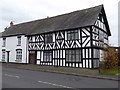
(32, 57)
(8, 55)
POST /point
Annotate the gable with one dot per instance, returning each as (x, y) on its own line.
(102, 22)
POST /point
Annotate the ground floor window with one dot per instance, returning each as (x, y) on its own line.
(47, 56)
(96, 53)
(73, 56)
(3, 55)
(19, 55)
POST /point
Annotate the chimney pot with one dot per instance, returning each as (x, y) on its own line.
(11, 23)
(6, 28)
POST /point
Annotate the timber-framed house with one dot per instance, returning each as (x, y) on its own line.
(74, 39)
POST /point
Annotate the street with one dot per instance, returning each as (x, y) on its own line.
(19, 78)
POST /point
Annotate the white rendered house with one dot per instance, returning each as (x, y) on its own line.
(0, 46)
(14, 46)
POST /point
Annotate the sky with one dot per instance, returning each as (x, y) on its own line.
(20, 11)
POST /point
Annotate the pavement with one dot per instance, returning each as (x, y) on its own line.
(92, 73)
(21, 78)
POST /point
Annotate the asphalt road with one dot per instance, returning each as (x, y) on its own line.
(19, 78)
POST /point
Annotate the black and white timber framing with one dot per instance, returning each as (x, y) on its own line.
(79, 47)
(74, 39)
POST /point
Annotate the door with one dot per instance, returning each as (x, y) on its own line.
(32, 57)
(8, 56)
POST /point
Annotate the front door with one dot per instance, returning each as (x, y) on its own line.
(8, 55)
(32, 57)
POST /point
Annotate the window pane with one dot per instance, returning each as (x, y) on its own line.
(47, 56)
(19, 40)
(73, 55)
(19, 55)
(48, 38)
(72, 35)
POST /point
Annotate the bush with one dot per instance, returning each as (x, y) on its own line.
(102, 65)
(119, 63)
(110, 59)
(118, 58)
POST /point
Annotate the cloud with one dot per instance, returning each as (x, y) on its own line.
(27, 10)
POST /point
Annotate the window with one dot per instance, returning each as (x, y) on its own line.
(19, 55)
(4, 42)
(101, 36)
(19, 40)
(96, 53)
(47, 56)
(72, 35)
(73, 55)
(3, 55)
(48, 38)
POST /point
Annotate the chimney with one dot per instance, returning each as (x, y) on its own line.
(11, 24)
(6, 28)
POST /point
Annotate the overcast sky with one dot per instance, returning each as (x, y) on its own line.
(20, 11)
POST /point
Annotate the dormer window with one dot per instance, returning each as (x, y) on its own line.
(19, 40)
(4, 42)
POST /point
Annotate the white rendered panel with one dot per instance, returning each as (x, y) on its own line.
(38, 54)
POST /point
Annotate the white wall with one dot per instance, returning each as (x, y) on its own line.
(0, 49)
(11, 45)
(101, 55)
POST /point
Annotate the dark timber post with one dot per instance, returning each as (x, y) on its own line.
(91, 43)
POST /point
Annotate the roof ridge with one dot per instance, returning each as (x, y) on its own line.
(59, 15)
(71, 20)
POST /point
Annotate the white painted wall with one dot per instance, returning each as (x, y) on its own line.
(11, 45)
(101, 55)
(0, 49)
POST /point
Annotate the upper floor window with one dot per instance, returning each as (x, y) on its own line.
(19, 55)
(101, 36)
(19, 40)
(72, 35)
(4, 42)
(48, 38)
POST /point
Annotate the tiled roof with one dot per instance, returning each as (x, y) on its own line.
(76, 19)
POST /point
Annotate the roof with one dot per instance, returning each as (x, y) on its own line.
(76, 19)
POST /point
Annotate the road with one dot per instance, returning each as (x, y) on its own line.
(19, 78)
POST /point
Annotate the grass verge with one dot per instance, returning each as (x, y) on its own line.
(114, 71)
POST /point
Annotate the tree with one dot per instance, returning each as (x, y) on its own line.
(110, 58)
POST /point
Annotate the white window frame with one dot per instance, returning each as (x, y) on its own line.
(3, 55)
(4, 42)
(19, 55)
(19, 40)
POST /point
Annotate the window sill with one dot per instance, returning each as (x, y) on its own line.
(18, 61)
(18, 45)
(46, 61)
(72, 62)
